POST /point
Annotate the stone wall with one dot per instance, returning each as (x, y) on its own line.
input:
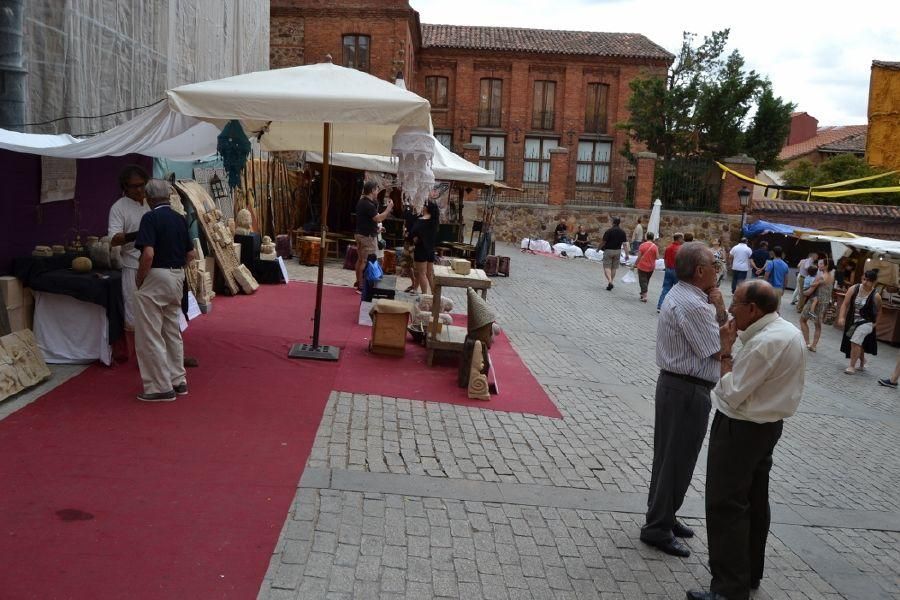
(514, 221)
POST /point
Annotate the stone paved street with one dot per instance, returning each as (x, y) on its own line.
(410, 499)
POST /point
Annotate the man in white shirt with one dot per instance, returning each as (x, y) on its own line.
(124, 222)
(740, 263)
(759, 387)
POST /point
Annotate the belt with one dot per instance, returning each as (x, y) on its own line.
(690, 379)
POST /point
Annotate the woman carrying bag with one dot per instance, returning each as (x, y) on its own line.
(859, 325)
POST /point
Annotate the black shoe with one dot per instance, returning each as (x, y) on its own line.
(159, 397)
(680, 530)
(702, 595)
(181, 389)
(609, 286)
(673, 547)
(886, 382)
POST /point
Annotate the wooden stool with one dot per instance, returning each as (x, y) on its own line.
(309, 250)
(331, 249)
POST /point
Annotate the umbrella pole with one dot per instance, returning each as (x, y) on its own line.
(315, 351)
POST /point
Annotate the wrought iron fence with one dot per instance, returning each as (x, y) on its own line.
(688, 183)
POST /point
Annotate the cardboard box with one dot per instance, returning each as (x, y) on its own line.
(12, 291)
(389, 333)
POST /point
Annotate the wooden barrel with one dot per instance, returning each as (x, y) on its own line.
(283, 246)
(389, 263)
(309, 250)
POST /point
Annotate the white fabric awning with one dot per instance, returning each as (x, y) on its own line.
(157, 132)
(889, 248)
(446, 165)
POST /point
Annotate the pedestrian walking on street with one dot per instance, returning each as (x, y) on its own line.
(892, 380)
(719, 255)
(613, 240)
(858, 315)
(637, 237)
(740, 263)
(670, 278)
(760, 387)
(165, 247)
(821, 290)
(646, 263)
(688, 345)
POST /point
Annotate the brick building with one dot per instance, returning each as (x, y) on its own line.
(522, 95)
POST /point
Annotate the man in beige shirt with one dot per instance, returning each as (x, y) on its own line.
(760, 386)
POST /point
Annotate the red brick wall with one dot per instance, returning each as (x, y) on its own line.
(304, 31)
(465, 69)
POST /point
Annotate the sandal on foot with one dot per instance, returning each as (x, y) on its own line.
(811, 348)
(849, 370)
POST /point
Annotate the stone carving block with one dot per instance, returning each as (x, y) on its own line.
(21, 363)
(478, 384)
(245, 279)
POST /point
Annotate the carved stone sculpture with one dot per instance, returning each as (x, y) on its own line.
(244, 224)
(245, 279)
(21, 363)
(267, 249)
(478, 384)
(59, 249)
(481, 334)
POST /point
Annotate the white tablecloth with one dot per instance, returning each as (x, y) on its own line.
(69, 331)
(571, 250)
(535, 244)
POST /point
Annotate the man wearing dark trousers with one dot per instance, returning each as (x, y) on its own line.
(760, 387)
(687, 352)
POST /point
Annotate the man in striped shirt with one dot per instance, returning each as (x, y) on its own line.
(688, 345)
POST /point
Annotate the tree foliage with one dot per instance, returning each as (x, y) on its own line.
(703, 104)
(843, 167)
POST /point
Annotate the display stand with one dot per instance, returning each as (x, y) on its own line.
(451, 338)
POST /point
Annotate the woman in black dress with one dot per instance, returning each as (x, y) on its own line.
(424, 235)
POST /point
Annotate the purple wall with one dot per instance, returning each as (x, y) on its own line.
(24, 223)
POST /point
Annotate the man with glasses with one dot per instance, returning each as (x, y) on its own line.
(759, 387)
(124, 221)
(688, 344)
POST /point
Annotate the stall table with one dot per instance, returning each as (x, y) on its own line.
(76, 315)
(451, 338)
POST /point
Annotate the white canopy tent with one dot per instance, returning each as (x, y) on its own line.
(447, 165)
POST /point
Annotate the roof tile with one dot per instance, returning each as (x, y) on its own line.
(825, 137)
(827, 208)
(544, 41)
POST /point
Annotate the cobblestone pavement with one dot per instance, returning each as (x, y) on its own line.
(411, 499)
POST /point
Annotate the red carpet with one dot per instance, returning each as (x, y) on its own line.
(107, 497)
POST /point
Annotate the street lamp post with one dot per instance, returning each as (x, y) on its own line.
(744, 197)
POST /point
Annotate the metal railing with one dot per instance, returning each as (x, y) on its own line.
(688, 183)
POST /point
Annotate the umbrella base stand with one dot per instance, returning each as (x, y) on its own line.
(310, 352)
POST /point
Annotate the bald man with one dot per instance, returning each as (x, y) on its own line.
(760, 386)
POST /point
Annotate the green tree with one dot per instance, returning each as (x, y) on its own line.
(843, 167)
(702, 105)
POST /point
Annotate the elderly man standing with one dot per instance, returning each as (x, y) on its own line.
(688, 345)
(759, 388)
(166, 248)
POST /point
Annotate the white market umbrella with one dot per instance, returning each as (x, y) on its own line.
(653, 223)
(314, 107)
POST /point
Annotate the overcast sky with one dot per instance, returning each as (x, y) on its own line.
(817, 55)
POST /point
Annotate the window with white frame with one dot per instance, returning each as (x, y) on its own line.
(537, 159)
(445, 138)
(492, 155)
(592, 167)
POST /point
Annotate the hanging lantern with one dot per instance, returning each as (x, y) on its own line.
(234, 147)
(414, 150)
